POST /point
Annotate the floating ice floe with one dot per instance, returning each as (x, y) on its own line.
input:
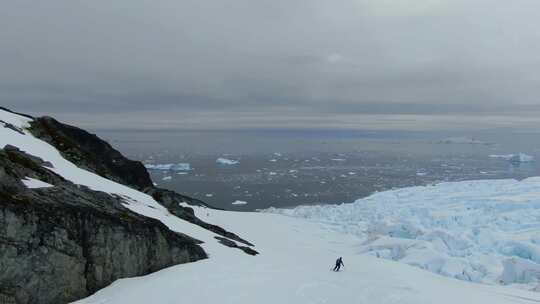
(421, 173)
(462, 140)
(237, 202)
(226, 161)
(169, 167)
(514, 158)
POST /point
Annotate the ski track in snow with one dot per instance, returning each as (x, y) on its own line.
(293, 267)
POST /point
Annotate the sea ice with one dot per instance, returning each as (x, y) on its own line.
(226, 161)
(169, 167)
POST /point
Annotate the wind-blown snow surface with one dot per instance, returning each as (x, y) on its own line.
(293, 267)
(472, 230)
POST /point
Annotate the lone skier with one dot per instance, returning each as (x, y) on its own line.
(339, 263)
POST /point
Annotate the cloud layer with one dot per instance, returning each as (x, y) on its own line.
(245, 63)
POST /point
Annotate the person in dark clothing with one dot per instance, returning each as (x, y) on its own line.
(339, 263)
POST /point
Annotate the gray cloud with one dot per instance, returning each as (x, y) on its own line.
(294, 63)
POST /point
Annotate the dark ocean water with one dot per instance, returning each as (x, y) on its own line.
(291, 167)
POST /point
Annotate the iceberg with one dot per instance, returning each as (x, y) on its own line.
(462, 141)
(514, 158)
(237, 202)
(226, 161)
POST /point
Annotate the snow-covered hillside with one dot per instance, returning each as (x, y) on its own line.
(297, 253)
(294, 267)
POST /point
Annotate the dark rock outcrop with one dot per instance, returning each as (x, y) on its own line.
(89, 152)
(232, 244)
(62, 243)
(172, 200)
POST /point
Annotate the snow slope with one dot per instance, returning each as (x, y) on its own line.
(293, 267)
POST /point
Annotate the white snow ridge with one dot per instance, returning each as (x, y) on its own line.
(33, 183)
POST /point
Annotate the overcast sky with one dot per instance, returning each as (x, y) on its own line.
(367, 64)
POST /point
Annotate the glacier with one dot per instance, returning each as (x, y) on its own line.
(485, 231)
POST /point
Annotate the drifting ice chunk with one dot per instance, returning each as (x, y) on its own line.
(226, 161)
(462, 140)
(515, 158)
(169, 167)
(522, 158)
(239, 203)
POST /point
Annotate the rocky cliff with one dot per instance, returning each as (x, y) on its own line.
(64, 241)
(90, 152)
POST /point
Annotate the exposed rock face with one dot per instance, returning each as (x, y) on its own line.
(90, 152)
(172, 200)
(63, 243)
(232, 244)
(87, 151)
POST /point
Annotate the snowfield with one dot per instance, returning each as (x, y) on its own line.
(298, 250)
